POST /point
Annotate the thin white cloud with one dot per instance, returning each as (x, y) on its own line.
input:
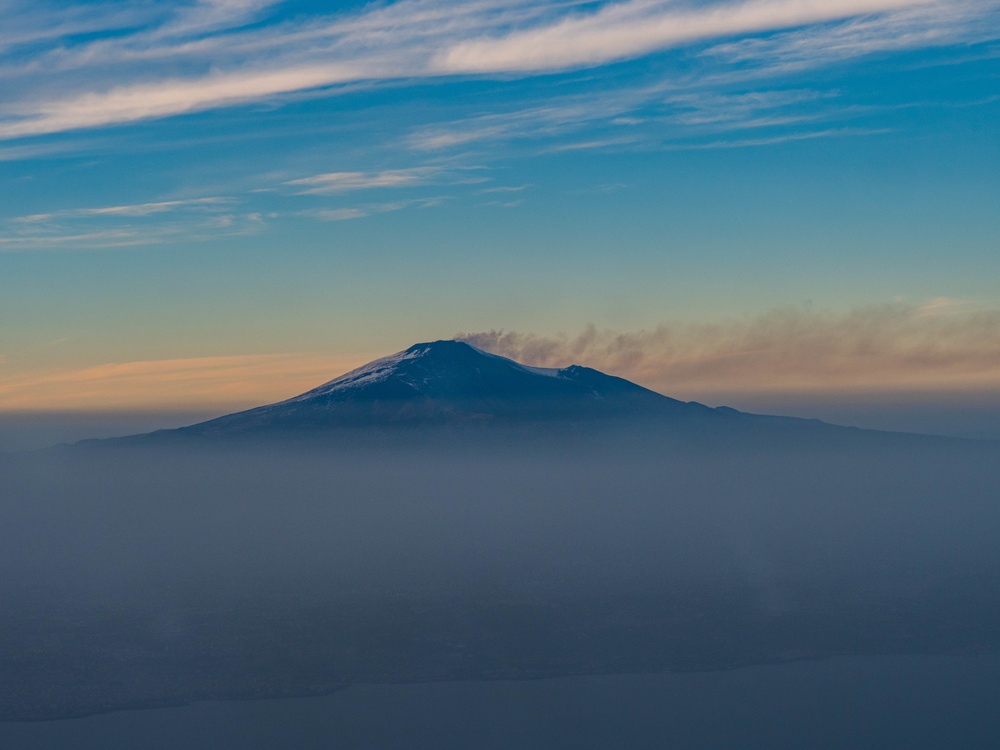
(745, 109)
(230, 225)
(28, 23)
(675, 112)
(339, 214)
(600, 143)
(53, 240)
(25, 152)
(505, 204)
(344, 182)
(777, 139)
(551, 119)
(922, 26)
(131, 225)
(136, 209)
(144, 101)
(209, 55)
(941, 306)
(360, 212)
(630, 29)
(505, 189)
(212, 15)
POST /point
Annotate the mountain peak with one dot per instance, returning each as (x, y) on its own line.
(422, 367)
(446, 381)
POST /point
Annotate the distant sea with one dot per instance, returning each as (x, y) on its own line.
(883, 702)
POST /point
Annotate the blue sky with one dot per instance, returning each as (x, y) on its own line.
(229, 183)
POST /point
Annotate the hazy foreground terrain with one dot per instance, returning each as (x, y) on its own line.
(153, 572)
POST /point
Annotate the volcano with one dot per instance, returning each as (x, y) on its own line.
(454, 383)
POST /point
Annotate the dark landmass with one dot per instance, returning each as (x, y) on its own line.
(58, 667)
(137, 577)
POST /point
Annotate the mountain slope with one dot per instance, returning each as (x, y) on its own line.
(451, 382)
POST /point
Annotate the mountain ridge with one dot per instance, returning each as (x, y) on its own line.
(448, 387)
(453, 382)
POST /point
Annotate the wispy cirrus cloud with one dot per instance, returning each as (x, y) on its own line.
(103, 238)
(674, 113)
(194, 219)
(505, 189)
(939, 345)
(773, 140)
(135, 209)
(636, 27)
(31, 151)
(743, 109)
(221, 53)
(163, 98)
(129, 225)
(347, 213)
(553, 118)
(344, 182)
(31, 23)
(204, 16)
(922, 25)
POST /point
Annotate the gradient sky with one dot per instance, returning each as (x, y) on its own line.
(217, 203)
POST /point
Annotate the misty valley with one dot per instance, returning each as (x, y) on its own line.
(146, 574)
(446, 514)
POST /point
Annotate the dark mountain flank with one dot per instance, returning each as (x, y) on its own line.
(453, 383)
(452, 388)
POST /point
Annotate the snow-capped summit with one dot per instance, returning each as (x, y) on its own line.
(450, 369)
(454, 382)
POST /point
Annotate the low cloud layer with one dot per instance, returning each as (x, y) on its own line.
(205, 382)
(942, 345)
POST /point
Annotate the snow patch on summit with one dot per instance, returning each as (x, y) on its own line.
(385, 368)
(374, 372)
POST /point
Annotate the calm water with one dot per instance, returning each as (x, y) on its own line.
(851, 702)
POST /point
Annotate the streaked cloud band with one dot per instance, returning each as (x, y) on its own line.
(197, 61)
(623, 30)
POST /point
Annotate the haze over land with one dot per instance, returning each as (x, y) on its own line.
(444, 513)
